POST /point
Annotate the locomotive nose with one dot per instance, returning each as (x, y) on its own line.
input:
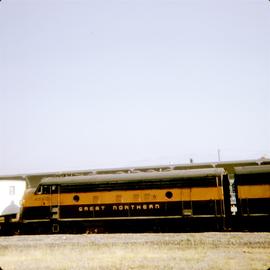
(27, 195)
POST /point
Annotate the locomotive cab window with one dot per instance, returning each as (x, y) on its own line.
(43, 190)
(39, 190)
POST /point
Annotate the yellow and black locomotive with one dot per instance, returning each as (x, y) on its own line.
(230, 196)
(117, 202)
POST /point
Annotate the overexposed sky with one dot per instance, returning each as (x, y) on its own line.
(97, 84)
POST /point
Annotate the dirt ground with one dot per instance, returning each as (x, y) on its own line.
(137, 251)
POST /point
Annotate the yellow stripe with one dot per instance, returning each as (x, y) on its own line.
(254, 191)
(134, 196)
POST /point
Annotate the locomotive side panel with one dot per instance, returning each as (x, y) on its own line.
(144, 203)
(253, 192)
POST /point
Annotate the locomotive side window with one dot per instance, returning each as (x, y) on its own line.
(46, 190)
(54, 189)
(169, 194)
(76, 198)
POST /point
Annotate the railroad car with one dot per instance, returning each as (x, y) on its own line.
(172, 200)
(253, 197)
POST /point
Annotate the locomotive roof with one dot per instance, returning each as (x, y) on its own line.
(252, 169)
(140, 176)
(33, 179)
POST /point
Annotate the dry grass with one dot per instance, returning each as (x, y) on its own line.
(137, 251)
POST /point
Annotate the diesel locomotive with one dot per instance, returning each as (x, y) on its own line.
(165, 199)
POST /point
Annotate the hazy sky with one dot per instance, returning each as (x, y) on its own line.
(97, 84)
